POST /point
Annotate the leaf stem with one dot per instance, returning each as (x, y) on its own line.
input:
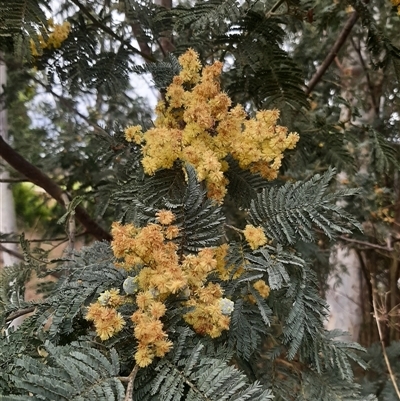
(274, 8)
(19, 313)
(130, 380)
(378, 325)
(234, 228)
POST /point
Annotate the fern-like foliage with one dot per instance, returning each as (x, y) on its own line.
(328, 146)
(295, 300)
(203, 14)
(20, 20)
(262, 72)
(375, 380)
(13, 344)
(195, 371)
(74, 372)
(200, 220)
(13, 279)
(384, 154)
(275, 259)
(248, 329)
(107, 71)
(79, 50)
(90, 273)
(292, 211)
(110, 71)
(382, 49)
(243, 185)
(264, 69)
(162, 72)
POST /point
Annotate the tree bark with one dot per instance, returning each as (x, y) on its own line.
(8, 223)
(37, 177)
(333, 52)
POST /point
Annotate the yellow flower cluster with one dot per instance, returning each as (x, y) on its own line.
(55, 38)
(262, 287)
(110, 298)
(206, 315)
(160, 272)
(254, 236)
(107, 321)
(196, 124)
(152, 339)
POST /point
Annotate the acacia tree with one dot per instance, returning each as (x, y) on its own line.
(213, 283)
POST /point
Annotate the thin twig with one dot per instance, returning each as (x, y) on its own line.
(62, 239)
(129, 387)
(19, 313)
(11, 252)
(59, 244)
(333, 53)
(369, 83)
(378, 325)
(71, 227)
(365, 243)
(234, 228)
(274, 8)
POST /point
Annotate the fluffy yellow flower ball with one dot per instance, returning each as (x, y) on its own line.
(262, 287)
(254, 236)
(107, 321)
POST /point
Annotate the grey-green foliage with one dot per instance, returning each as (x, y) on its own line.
(263, 67)
(248, 329)
(384, 52)
(326, 140)
(279, 340)
(162, 72)
(384, 154)
(75, 372)
(91, 272)
(13, 344)
(195, 371)
(376, 380)
(13, 278)
(214, 13)
(87, 68)
(199, 219)
(263, 73)
(331, 355)
(293, 211)
(197, 368)
(243, 185)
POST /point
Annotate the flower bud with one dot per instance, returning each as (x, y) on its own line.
(227, 306)
(130, 285)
